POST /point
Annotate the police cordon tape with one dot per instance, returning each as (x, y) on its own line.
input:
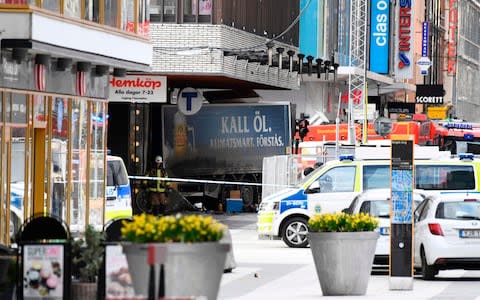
(204, 181)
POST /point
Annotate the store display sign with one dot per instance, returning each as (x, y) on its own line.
(429, 94)
(43, 271)
(118, 281)
(452, 37)
(425, 39)
(138, 88)
(379, 36)
(404, 40)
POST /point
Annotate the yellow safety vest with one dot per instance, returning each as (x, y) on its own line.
(158, 185)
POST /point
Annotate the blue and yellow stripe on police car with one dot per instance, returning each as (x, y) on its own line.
(265, 221)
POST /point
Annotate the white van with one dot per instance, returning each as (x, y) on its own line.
(118, 196)
(333, 186)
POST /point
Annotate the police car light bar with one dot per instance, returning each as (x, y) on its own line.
(346, 157)
(466, 156)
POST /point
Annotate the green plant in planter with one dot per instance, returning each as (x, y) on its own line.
(336, 241)
(342, 222)
(87, 255)
(147, 228)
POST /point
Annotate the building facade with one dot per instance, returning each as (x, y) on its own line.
(56, 59)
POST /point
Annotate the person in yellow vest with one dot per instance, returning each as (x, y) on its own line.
(158, 189)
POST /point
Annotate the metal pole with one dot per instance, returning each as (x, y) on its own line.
(337, 125)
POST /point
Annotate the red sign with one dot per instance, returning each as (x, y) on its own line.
(452, 37)
(356, 97)
(39, 74)
(81, 87)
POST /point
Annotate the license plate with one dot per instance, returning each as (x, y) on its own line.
(469, 233)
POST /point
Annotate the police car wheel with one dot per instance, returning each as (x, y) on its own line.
(294, 233)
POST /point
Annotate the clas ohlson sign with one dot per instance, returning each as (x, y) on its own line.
(379, 36)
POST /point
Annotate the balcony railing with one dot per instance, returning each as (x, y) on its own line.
(125, 15)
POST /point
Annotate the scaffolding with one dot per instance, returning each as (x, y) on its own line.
(357, 62)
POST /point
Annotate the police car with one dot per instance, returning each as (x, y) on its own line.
(334, 185)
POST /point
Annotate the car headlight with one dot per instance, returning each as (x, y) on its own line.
(269, 206)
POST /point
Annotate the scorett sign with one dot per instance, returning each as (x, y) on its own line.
(429, 94)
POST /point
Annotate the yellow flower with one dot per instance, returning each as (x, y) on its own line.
(190, 228)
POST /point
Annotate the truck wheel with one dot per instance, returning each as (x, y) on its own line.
(294, 232)
(141, 205)
(247, 194)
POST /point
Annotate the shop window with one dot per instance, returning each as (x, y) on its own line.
(72, 8)
(143, 19)
(58, 160)
(39, 114)
(111, 12)
(92, 11)
(2, 94)
(79, 162)
(97, 162)
(51, 5)
(16, 108)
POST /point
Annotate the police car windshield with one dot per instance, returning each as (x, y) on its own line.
(116, 174)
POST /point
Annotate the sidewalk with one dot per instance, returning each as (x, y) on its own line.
(303, 284)
(267, 269)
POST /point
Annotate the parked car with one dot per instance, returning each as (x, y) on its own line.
(377, 203)
(447, 233)
(333, 186)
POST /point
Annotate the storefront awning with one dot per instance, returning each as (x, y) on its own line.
(56, 51)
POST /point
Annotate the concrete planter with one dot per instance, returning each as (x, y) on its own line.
(343, 260)
(190, 269)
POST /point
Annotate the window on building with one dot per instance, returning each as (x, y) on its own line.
(197, 11)
(163, 11)
(205, 11)
(190, 11)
